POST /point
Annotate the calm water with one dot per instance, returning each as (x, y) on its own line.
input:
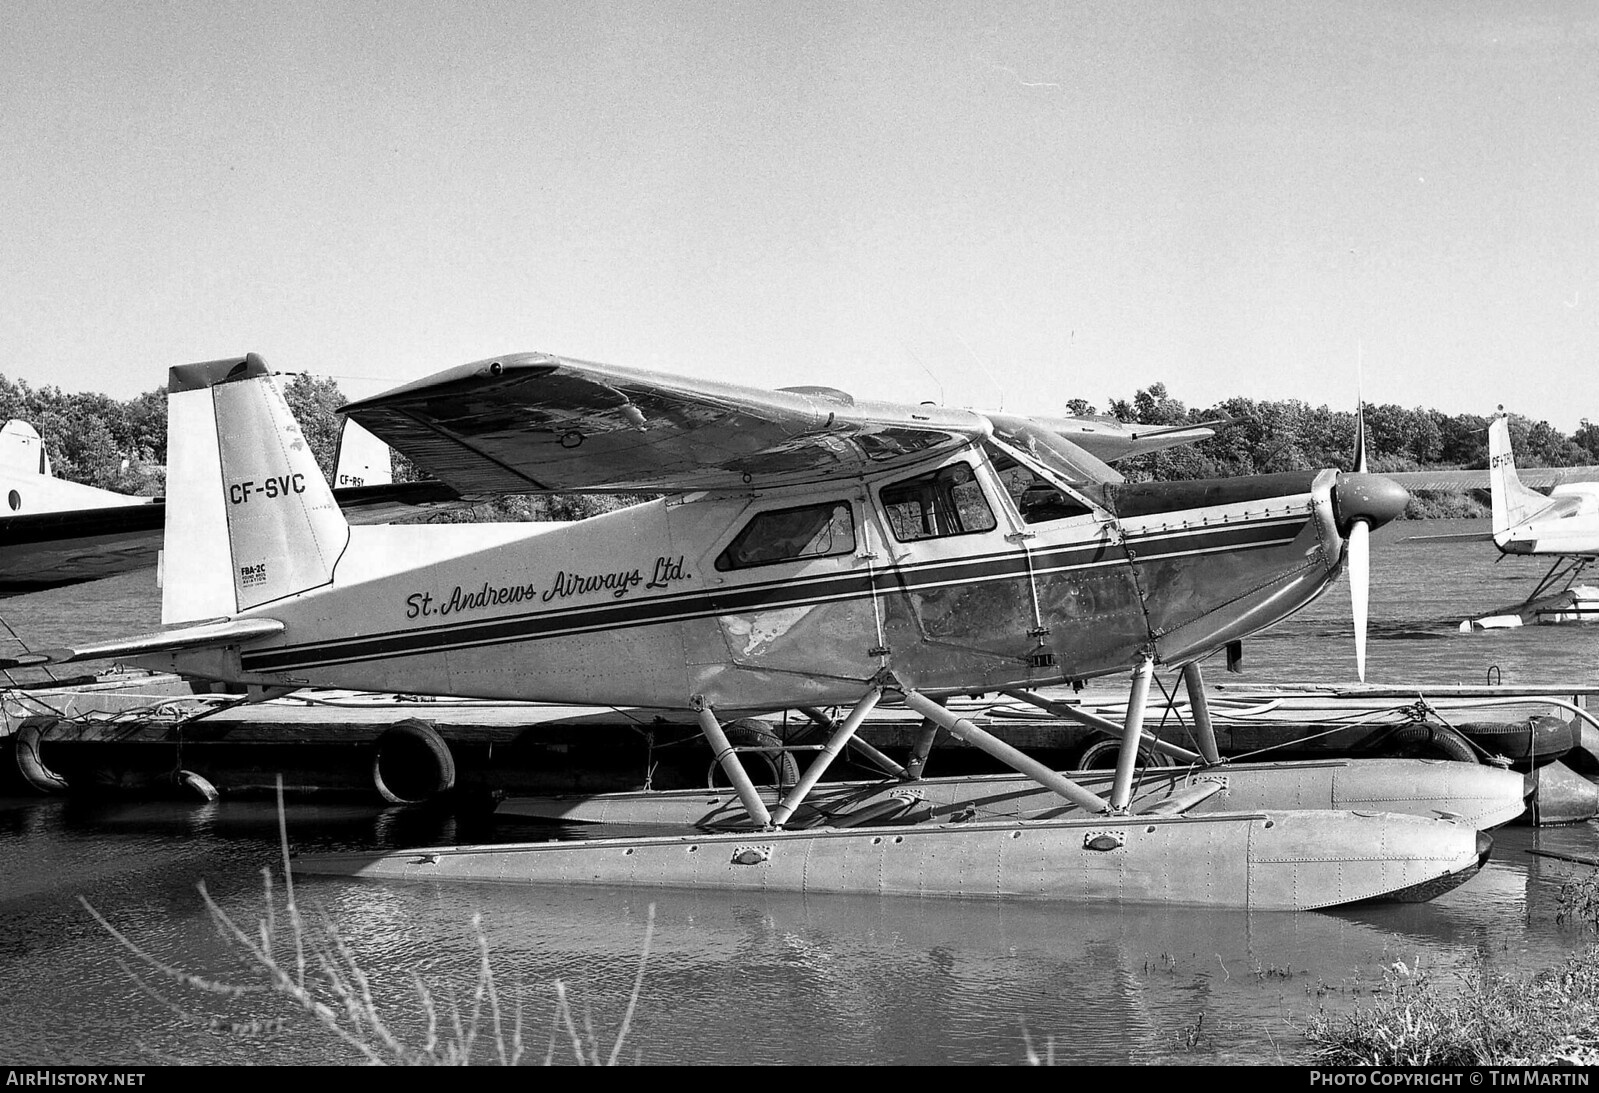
(768, 979)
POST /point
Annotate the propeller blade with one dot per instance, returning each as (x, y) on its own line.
(1360, 438)
(1360, 503)
(1359, 549)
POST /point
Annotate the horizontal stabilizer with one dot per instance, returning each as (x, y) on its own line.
(1454, 537)
(225, 632)
(1450, 479)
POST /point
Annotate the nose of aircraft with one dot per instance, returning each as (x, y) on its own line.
(1368, 497)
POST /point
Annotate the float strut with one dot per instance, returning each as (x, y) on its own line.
(1103, 724)
(727, 755)
(965, 731)
(1121, 791)
(1204, 732)
(916, 763)
(818, 766)
(856, 744)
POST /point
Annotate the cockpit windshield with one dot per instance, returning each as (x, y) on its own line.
(1074, 466)
(1074, 474)
(1035, 498)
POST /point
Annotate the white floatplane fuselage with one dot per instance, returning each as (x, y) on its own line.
(641, 607)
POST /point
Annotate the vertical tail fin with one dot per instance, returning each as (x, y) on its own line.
(363, 459)
(250, 518)
(21, 449)
(1513, 503)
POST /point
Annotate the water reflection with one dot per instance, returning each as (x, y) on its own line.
(732, 977)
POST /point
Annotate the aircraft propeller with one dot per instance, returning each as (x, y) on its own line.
(1361, 500)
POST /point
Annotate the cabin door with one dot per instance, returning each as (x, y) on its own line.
(955, 587)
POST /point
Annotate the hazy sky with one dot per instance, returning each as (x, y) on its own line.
(979, 203)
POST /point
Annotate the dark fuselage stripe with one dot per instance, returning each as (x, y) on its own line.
(777, 595)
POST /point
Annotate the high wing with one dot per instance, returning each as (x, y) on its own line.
(1109, 439)
(47, 549)
(535, 422)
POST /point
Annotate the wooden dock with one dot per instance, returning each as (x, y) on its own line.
(134, 732)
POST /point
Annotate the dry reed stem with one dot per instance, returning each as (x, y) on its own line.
(324, 979)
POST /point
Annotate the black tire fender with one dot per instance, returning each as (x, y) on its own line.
(30, 734)
(1101, 753)
(766, 768)
(1428, 741)
(197, 784)
(411, 763)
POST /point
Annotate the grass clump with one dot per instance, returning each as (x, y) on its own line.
(1493, 1019)
(1579, 902)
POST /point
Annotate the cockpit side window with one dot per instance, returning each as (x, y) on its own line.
(941, 503)
(1036, 499)
(787, 535)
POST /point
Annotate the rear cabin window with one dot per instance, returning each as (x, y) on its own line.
(944, 502)
(788, 535)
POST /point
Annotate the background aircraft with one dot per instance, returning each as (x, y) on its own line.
(1561, 525)
(54, 532)
(31, 486)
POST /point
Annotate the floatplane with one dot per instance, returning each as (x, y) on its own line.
(1561, 525)
(808, 551)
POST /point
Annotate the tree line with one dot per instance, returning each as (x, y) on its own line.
(1263, 437)
(121, 444)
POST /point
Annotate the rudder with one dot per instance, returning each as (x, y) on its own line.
(250, 519)
(1513, 503)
